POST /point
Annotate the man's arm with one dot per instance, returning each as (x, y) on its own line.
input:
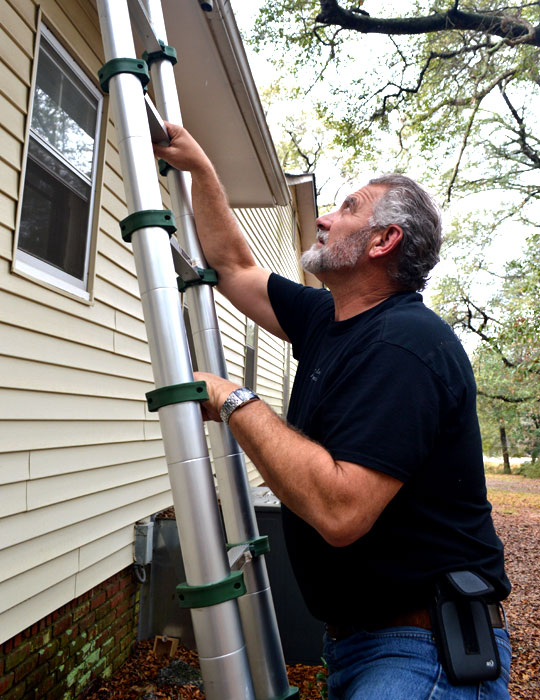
(340, 499)
(241, 280)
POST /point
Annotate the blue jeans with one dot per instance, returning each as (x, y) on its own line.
(401, 663)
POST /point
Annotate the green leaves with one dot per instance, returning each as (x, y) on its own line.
(506, 326)
(451, 97)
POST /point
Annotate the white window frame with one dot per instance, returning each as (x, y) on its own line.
(24, 262)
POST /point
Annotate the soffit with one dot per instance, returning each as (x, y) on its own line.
(220, 104)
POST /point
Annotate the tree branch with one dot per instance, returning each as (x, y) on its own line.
(524, 147)
(509, 27)
(310, 162)
(506, 399)
(479, 331)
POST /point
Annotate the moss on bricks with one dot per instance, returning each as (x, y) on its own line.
(59, 692)
(44, 687)
(48, 651)
(17, 656)
(81, 610)
(41, 640)
(35, 679)
(82, 682)
(25, 668)
(57, 657)
(16, 693)
(78, 643)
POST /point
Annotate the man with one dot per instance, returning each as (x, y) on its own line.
(380, 469)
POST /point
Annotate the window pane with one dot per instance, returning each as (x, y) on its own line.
(58, 169)
(54, 221)
(64, 112)
(57, 195)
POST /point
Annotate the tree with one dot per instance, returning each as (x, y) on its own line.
(449, 90)
(506, 358)
(450, 79)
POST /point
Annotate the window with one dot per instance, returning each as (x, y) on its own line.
(56, 212)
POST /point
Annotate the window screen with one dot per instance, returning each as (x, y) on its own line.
(55, 222)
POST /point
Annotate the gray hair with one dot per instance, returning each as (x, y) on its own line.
(406, 204)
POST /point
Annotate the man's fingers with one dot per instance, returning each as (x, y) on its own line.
(210, 414)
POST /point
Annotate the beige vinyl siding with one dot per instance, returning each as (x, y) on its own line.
(232, 326)
(269, 234)
(6, 243)
(81, 458)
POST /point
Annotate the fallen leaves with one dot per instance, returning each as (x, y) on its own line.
(516, 513)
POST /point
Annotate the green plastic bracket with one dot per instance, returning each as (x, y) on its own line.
(163, 218)
(167, 53)
(206, 276)
(292, 693)
(258, 545)
(137, 66)
(164, 167)
(176, 393)
(203, 596)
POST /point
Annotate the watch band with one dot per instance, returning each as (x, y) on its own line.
(237, 398)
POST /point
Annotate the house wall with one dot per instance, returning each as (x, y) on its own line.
(81, 459)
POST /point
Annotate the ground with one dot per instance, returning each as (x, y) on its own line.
(516, 513)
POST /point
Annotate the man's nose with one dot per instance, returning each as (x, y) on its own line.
(325, 221)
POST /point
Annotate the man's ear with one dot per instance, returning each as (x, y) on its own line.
(385, 241)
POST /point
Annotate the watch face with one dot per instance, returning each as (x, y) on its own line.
(244, 394)
(236, 398)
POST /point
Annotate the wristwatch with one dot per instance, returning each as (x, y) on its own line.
(237, 398)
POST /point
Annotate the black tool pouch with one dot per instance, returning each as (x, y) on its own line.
(463, 631)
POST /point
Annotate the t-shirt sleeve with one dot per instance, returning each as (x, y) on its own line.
(382, 411)
(295, 305)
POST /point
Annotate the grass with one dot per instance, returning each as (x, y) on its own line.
(530, 470)
(521, 466)
(512, 501)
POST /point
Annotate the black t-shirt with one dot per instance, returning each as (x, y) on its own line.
(390, 389)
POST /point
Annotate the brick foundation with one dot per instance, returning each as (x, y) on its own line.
(59, 656)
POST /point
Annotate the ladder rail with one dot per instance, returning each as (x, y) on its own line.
(258, 617)
(217, 628)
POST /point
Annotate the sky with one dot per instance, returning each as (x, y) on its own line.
(263, 72)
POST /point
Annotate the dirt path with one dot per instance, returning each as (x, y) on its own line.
(516, 514)
(512, 482)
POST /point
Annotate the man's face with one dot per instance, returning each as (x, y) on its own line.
(343, 235)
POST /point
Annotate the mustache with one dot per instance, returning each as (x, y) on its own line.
(322, 236)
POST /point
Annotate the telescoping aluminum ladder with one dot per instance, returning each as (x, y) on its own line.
(229, 596)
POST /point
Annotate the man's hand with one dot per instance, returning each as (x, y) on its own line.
(218, 390)
(341, 500)
(183, 152)
(241, 279)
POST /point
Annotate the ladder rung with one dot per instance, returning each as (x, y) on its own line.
(183, 265)
(239, 556)
(143, 26)
(158, 132)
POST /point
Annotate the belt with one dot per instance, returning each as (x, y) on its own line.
(416, 618)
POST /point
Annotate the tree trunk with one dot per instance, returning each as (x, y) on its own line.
(504, 445)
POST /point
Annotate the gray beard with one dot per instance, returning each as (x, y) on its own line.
(342, 254)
